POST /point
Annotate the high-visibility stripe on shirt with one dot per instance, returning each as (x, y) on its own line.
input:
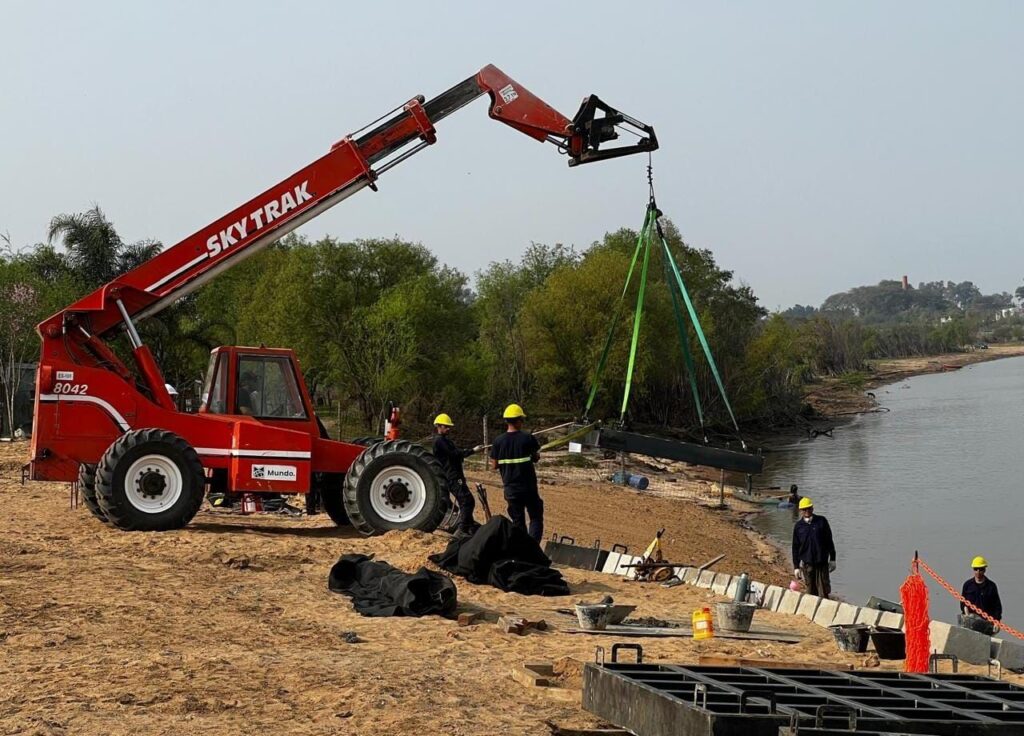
(514, 460)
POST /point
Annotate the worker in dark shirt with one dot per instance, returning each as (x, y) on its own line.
(513, 454)
(246, 392)
(814, 552)
(451, 458)
(983, 593)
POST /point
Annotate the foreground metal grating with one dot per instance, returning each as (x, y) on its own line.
(678, 700)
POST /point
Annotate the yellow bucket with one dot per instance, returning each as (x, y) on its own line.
(702, 626)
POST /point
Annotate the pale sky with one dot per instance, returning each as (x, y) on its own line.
(811, 146)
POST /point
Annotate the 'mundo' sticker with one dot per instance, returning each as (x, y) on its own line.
(288, 473)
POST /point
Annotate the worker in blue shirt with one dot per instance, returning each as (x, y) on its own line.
(814, 552)
(983, 593)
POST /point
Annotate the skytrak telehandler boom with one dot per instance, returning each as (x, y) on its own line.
(141, 464)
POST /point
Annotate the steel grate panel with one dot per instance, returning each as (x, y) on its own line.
(656, 699)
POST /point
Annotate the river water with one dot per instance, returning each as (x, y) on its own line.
(941, 472)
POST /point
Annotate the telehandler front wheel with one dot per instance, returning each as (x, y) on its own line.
(395, 485)
(150, 480)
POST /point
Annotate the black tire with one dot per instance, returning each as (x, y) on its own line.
(167, 451)
(332, 498)
(365, 441)
(408, 461)
(87, 487)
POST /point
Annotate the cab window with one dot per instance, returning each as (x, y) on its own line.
(267, 387)
(215, 386)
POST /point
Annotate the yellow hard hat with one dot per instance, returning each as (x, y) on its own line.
(806, 503)
(979, 561)
(444, 419)
(514, 411)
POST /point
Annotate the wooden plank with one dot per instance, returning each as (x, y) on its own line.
(721, 660)
(682, 632)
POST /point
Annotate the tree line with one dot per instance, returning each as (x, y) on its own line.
(382, 319)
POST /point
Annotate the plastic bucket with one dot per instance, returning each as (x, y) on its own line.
(734, 616)
(851, 637)
(593, 616)
(889, 643)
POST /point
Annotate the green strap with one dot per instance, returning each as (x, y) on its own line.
(637, 315)
(700, 332)
(684, 341)
(615, 318)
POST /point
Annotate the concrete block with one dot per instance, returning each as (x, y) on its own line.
(808, 606)
(827, 610)
(868, 616)
(721, 583)
(705, 579)
(629, 572)
(730, 592)
(890, 620)
(690, 575)
(611, 563)
(969, 646)
(772, 597)
(1009, 652)
(846, 614)
(756, 592)
(790, 602)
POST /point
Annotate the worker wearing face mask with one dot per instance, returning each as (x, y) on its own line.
(814, 552)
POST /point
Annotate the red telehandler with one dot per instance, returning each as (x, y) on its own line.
(143, 465)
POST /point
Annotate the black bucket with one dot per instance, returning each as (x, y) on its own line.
(851, 637)
(889, 643)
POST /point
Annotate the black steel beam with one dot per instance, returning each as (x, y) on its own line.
(849, 703)
(687, 452)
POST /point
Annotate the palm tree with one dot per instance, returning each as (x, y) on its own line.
(95, 251)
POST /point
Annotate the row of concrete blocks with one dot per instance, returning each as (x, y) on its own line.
(968, 646)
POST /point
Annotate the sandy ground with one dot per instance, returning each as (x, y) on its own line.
(227, 626)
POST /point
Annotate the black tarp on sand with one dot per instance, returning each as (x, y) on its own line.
(504, 556)
(378, 589)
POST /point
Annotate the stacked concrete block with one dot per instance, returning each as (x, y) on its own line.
(705, 579)
(624, 562)
(808, 606)
(1009, 653)
(790, 602)
(721, 583)
(826, 612)
(968, 646)
(690, 575)
(846, 614)
(868, 616)
(611, 563)
(772, 597)
(890, 620)
(679, 572)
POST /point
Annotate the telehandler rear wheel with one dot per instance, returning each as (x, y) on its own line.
(150, 480)
(395, 485)
(87, 487)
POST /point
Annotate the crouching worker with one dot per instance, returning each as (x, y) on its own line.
(451, 458)
(513, 455)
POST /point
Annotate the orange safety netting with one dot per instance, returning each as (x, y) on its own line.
(953, 592)
(914, 596)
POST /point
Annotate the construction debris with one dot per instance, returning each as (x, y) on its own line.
(519, 625)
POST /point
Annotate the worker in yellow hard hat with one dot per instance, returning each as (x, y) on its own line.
(450, 456)
(984, 594)
(513, 454)
(814, 551)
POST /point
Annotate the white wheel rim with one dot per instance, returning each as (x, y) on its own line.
(398, 494)
(153, 484)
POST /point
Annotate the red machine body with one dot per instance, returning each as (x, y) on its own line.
(87, 398)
